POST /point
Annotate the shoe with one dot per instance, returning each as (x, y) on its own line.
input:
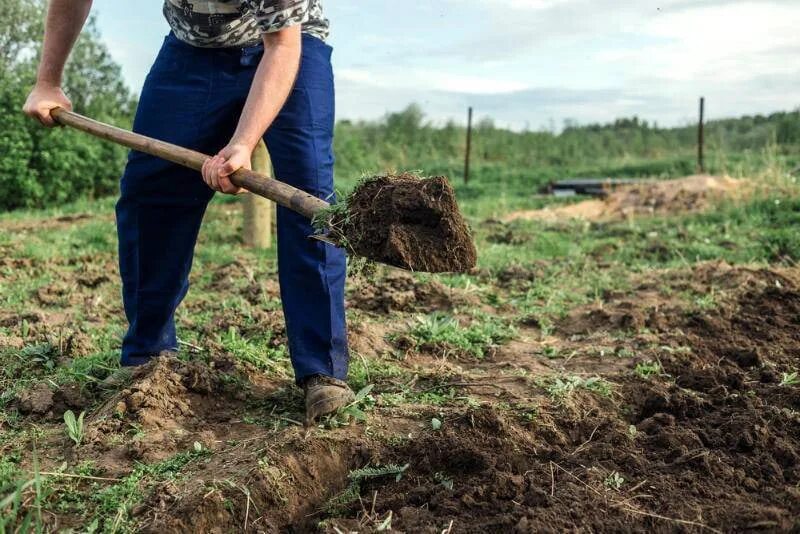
(119, 378)
(325, 395)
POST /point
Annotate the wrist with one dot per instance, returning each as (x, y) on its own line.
(242, 142)
(48, 84)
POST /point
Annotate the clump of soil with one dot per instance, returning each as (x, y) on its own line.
(408, 222)
(400, 291)
(693, 193)
(173, 401)
(41, 401)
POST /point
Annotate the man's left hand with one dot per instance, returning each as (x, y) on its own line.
(217, 170)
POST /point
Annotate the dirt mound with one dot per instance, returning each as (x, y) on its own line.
(654, 305)
(407, 222)
(717, 449)
(647, 309)
(754, 340)
(693, 193)
(170, 402)
(484, 472)
(400, 291)
(278, 486)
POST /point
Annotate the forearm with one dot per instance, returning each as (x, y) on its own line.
(272, 83)
(65, 19)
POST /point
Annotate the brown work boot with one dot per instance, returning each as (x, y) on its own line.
(325, 395)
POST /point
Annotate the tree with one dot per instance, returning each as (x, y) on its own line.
(39, 167)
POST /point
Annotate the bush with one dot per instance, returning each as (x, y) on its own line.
(42, 167)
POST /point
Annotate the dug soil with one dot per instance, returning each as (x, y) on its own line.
(408, 222)
(690, 194)
(708, 442)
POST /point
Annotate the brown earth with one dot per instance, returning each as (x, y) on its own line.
(408, 222)
(693, 193)
(711, 443)
(394, 290)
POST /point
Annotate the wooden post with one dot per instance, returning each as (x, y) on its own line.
(257, 226)
(701, 137)
(469, 145)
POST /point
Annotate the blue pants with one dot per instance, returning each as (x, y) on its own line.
(193, 97)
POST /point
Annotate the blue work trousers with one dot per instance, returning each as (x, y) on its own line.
(193, 97)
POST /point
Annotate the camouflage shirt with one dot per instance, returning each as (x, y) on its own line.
(241, 23)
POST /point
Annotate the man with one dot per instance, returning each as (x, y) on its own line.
(229, 73)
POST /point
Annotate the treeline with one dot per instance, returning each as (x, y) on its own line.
(404, 140)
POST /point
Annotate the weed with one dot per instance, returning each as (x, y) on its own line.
(355, 410)
(790, 379)
(16, 508)
(75, 429)
(443, 480)
(623, 352)
(648, 369)
(114, 503)
(614, 481)
(560, 388)
(258, 351)
(551, 352)
(443, 331)
(357, 477)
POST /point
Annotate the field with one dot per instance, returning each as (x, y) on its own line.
(635, 371)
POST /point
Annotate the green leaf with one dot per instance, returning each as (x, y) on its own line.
(69, 419)
(436, 424)
(356, 413)
(362, 393)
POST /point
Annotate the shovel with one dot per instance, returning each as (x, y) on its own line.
(282, 193)
(402, 221)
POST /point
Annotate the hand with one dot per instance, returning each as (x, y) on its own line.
(42, 99)
(217, 170)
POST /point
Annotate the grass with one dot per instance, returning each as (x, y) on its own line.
(565, 265)
(357, 477)
(648, 369)
(790, 379)
(112, 505)
(445, 334)
(560, 388)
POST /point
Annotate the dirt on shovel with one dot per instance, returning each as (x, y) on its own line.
(405, 221)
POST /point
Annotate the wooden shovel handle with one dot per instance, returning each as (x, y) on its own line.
(282, 193)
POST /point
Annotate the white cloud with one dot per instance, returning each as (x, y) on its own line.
(723, 43)
(428, 80)
(529, 61)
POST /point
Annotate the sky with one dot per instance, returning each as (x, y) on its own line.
(533, 64)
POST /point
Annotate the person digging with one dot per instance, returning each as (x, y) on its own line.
(228, 74)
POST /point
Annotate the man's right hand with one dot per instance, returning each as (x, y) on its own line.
(43, 99)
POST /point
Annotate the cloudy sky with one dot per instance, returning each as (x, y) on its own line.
(535, 63)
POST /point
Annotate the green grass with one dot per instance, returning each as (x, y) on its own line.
(112, 505)
(559, 388)
(565, 265)
(648, 369)
(446, 334)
